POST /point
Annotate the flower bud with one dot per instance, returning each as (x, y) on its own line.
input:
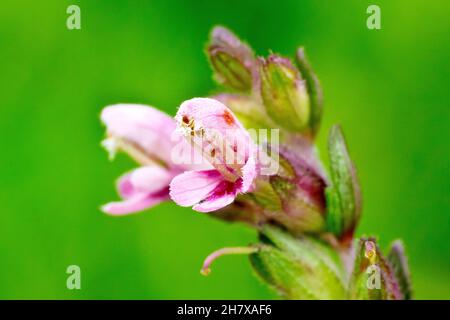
(344, 195)
(373, 277)
(298, 268)
(302, 203)
(399, 264)
(284, 93)
(231, 59)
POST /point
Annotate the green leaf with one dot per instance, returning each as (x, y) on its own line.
(314, 90)
(343, 196)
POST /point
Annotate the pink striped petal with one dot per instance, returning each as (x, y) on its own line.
(214, 204)
(223, 195)
(192, 187)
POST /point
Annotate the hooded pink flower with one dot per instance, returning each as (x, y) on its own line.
(145, 134)
(211, 127)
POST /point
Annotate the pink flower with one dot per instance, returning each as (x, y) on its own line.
(140, 189)
(212, 128)
(145, 134)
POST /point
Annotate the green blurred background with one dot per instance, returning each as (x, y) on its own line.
(388, 88)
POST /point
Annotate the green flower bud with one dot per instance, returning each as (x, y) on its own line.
(298, 268)
(399, 264)
(343, 196)
(284, 93)
(231, 59)
(373, 278)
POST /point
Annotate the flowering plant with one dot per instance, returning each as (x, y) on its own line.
(248, 155)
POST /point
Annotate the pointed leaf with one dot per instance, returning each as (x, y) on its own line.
(343, 196)
(314, 90)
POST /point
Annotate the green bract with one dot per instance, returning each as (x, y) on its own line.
(343, 196)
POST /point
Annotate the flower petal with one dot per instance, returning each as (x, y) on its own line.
(221, 196)
(150, 179)
(249, 173)
(210, 113)
(135, 203)
(215, 203)
(141, 188)
(125, 187)
(212, 127)
(191, 187)
(144, 126)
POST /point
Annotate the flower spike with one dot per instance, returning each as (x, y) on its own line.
(248, 154)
